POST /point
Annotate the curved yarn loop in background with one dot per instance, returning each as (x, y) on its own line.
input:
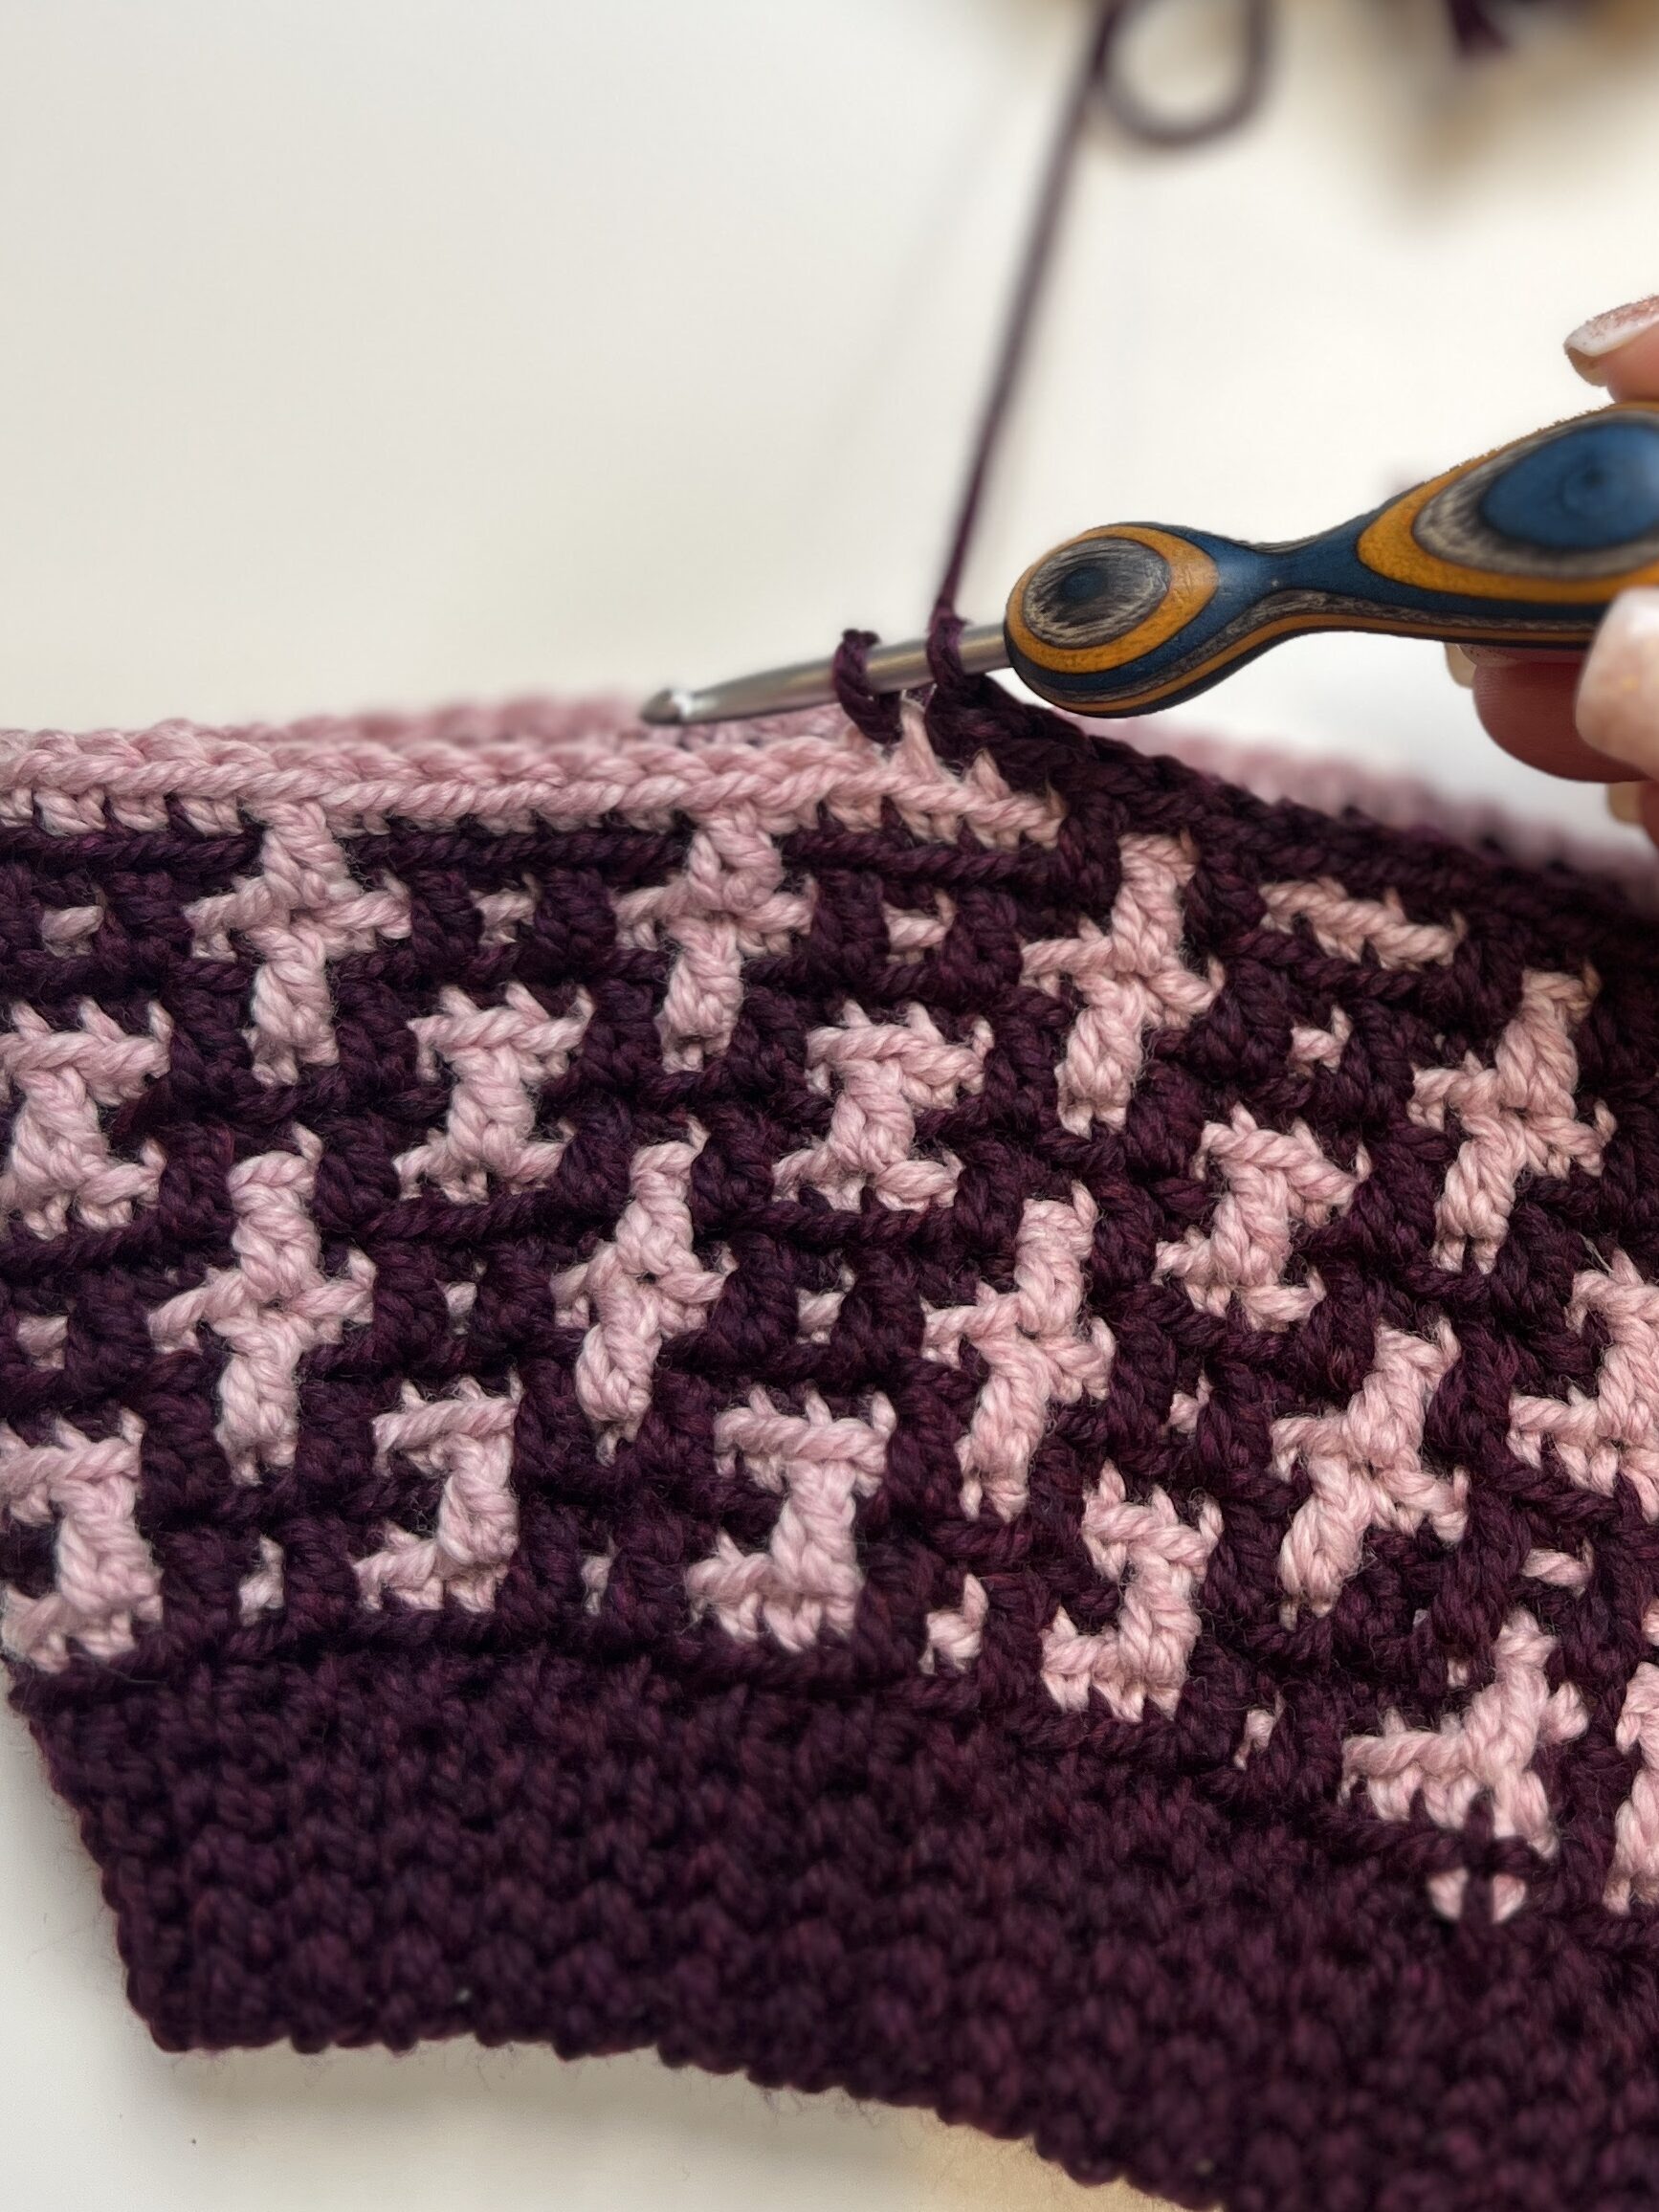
(1257, 22)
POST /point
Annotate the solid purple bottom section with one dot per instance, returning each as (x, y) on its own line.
(840, 1894)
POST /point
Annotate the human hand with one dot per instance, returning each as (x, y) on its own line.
(1594, 717)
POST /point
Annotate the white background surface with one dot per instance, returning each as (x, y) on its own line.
(366, 352)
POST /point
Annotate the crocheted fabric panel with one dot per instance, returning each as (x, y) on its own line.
(974, 1419)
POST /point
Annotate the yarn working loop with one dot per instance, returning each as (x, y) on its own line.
(944, 650)
(874, 713)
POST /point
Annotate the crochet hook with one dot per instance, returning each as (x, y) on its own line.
(1527, 545)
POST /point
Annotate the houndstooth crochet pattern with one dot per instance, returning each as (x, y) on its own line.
(970, 1418)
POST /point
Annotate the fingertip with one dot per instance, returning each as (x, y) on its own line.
(1619, 351)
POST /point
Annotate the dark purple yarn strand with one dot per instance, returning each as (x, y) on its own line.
(1033, 269)
(1098, 79)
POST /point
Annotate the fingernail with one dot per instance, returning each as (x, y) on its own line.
(1590, 344)
(1460, 667)
(1625, 803)
(1618, 707)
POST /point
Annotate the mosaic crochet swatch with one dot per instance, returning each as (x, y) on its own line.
(970, 1418)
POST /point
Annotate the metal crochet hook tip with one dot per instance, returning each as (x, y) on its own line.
(812, 683)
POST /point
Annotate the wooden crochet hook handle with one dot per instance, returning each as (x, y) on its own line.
(1524, 546)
